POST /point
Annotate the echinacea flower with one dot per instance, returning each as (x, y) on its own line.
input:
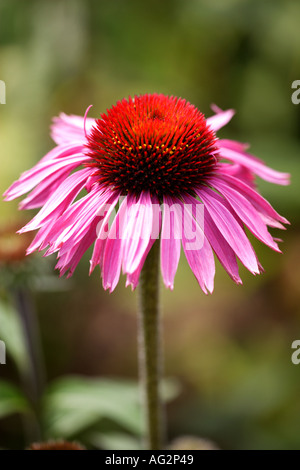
(150, 162)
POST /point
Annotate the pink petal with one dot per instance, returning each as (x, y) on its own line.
(238, 171)
(71, 258)
(36, 175)
(41, 239)
(245, 211)
(229, 228)
(58, 202)
(76, 220)
(112, 258)
(60, 151)
(201, 260)
(220, 119)
(40, 194)
(238, 147)
(251, 162)
(132, 279)
(268, 214)
(222, 249)
(62, 232)
(98, 252)
(138, 231)
(70, 128)
(170, 243)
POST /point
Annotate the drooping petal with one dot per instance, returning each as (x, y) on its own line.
(60, 151)
(220, 119)
(102, 232)
(70, 128)
(253, 164)
(58, 202)
(138, 231)
(41, 239)
(229, 228)
(132, 279)
(238, 147)
(37, 174)
(238, 171)
(70, 259)
(245, 211)
(40, 194)
(62, 232)
(268, 214)
(112, 258)
(74, 223)
(170, 243)
(199, 253)
(224, 252)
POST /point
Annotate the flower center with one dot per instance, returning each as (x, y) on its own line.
(152, 143)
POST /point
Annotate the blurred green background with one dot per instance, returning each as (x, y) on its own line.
(229, 353)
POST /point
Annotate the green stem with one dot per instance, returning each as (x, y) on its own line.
(149, 346)
(33, 378)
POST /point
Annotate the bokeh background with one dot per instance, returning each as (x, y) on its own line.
(227, 355)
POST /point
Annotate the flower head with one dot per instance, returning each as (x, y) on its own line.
(152, 143)
(152, 166)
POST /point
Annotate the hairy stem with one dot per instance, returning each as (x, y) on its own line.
(149, 345)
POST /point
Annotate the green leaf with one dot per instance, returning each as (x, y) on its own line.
(11, 400)
(74, 403)
(11, 332)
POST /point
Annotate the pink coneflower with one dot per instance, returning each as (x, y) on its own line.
(151, 160)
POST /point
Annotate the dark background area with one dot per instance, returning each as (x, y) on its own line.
(231, 351)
